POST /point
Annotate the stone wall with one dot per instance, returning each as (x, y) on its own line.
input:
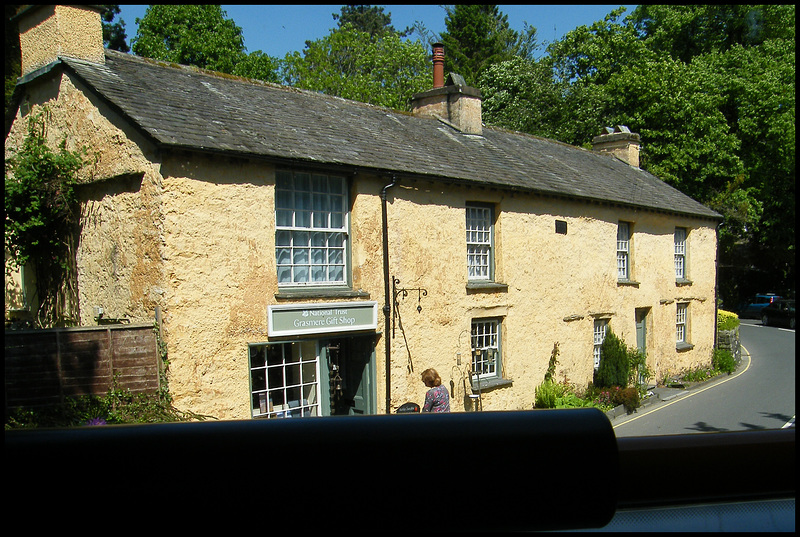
(729, 340)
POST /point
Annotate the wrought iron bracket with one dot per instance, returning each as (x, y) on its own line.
(403, 293)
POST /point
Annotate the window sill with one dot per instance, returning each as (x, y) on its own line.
(627, 283)
(681, 282)
(486, 287)
(327, 292)
(683, 346)
(490, 384)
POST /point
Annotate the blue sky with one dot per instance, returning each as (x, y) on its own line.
(280, 29)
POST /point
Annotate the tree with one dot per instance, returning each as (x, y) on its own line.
(114, 36)
(614, 368)
(369, 19)
(746, 55)
(478, 36)
(202, 36)
(352, 64)
(710, 89)
(520, 94)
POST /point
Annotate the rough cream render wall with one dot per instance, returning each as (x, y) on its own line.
(119, 259)
(557, 286)
(60, 30)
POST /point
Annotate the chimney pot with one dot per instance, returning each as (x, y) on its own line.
(438, 65)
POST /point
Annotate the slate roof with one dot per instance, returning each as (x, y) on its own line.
(183, 107)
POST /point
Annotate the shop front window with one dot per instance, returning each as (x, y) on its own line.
(284, 380)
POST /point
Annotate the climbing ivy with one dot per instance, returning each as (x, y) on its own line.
(42, 215)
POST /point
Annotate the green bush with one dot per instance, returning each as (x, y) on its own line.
(722, 360)
(117, 407)
(629, 397)
(727, 320)
(546, 394)
(614, 366)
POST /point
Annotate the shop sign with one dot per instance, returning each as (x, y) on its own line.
(301, 319)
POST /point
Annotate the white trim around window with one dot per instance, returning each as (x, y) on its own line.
(311, 229)
(480, 242)
(623, 251)
(680, 254)
(682, 325)
(600, 328)
(486, 347)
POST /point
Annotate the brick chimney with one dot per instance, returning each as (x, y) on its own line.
(620, 142)
(450, 101)
(47, 32)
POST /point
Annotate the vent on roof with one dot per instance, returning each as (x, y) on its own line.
(620, 142)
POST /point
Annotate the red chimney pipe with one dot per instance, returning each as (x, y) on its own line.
(438, 65)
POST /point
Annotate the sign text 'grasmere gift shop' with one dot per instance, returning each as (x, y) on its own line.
(294, 320)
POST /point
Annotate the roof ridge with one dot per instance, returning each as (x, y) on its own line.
(243, 79)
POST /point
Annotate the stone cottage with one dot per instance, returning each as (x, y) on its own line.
(312, 255)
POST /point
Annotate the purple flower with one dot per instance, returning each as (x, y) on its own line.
(96, 421)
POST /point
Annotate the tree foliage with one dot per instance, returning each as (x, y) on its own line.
(114, 35)
(369, 19)
(381, 70)
(479, 36)
(41, 217)
(202, 36)
(614, 368)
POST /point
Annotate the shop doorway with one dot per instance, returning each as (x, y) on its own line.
(333, 376)
(347, 376)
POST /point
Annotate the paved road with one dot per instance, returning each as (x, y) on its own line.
(760, 394)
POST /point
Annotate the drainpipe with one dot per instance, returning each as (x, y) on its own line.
(716, 288)
(387, 306)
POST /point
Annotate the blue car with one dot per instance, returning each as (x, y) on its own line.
(753, 308)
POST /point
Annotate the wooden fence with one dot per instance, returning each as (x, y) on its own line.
(43, 367)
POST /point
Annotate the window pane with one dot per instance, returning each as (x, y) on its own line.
(479, 241)
(485, 347)
(284, 275)
(305, 202)
(680, 323)
(679, 272)
(287, 386)
(283, 180)
(599, 335)
(283, 218)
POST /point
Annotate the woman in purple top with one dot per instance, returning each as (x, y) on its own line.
(437, 399)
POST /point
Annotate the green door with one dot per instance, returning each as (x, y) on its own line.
(361, 372)
(641, 330)
(641, 334)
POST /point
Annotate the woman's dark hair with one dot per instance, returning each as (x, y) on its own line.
(431, 378)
